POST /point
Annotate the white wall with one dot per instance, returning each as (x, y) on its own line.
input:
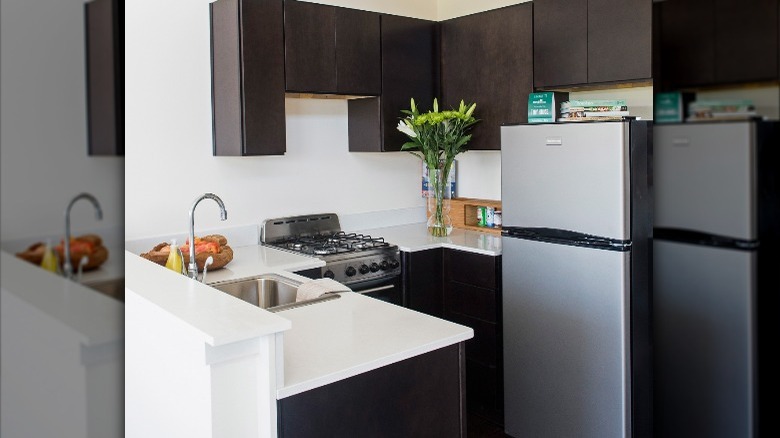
(447, 9)
(168, 141)
(43, 148)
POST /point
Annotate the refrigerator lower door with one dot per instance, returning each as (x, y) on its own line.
(703, 307)
(566, 340)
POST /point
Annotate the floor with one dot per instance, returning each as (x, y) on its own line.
(478, 427)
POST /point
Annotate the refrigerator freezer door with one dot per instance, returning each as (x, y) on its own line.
(567, 176)
(704, 178)
(566, 341)
(703, 307)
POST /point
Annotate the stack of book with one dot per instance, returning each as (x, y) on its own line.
(594, 109)
(723, 109)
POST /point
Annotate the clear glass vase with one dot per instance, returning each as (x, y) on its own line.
(439, 195)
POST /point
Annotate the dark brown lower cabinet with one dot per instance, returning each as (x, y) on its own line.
(422, 396)
(465, 288)
(421, 281)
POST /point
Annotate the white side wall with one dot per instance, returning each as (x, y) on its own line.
(168, 149)
(43, 146)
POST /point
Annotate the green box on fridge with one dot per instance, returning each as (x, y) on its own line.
(545, 106)
(671, 107)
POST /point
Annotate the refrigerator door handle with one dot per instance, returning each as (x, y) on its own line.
(553, 141)
(566, 237)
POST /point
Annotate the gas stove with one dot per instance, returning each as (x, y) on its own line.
(350, 258)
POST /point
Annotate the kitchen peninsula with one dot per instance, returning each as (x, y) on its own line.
(200, 362)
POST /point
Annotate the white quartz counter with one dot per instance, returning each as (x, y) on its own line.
(415, 237)
(253, 260)
(96, 318)
(337, 339)
(218, 317)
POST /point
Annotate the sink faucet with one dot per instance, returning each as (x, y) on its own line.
(67, 266)
(192, 267)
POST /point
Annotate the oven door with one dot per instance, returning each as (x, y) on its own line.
(385, 289)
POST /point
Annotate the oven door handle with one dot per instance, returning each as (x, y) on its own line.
(375, 289)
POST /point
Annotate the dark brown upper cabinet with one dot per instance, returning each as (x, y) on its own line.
(486, 58)
(410, 60)
(105, 77)
(247, 73)
(331, 50)
(719, 42)
(583, 42)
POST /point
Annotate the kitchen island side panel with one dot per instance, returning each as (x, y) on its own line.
(422, 396)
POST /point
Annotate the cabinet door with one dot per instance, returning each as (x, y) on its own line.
(619, 40)
(688, 52)
(247, 74)
(309, 47)
(487, 58)
(105, 93)
(421, 277)
(560, 42)
(746, 40)
(410, 59)
(358, 69)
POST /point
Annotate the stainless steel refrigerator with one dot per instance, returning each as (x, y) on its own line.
(576, 263)
(717, 215)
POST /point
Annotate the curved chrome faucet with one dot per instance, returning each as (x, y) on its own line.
(67, 267)
(192, 265)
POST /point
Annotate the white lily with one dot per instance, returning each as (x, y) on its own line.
(403, 127)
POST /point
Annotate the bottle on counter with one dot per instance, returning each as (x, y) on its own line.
(489, 216)
(49, 261)
(497, 218)
(174, 261)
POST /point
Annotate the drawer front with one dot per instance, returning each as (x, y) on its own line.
(470, 268)
(483, 347)
(472, 301)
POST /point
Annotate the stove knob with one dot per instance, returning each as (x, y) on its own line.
(329, 274)
(363, 269)
(394, 264)
(374, 267)
(383, 266)
(350, 271)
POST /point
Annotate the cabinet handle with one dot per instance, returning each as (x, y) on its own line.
(375, 289)
(681, 141)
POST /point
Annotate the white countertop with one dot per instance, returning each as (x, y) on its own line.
(218, 317)
(96, 317)
(253, 260)
(333, 340)
(415, 237)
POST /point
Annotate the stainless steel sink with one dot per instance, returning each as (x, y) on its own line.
(268, 291)
(114, 288)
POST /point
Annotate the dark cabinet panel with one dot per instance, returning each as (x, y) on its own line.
(247, 73)
(560, 42)
(719, 42)
(484, 387)
(746, 40)
(472, 297)
(619, 40)
(331, 50)
(358, 54)
(471, 268)
(687, 52)
(422, 282)
(580, 42)
(409, 61)
(105, 78)
(309, 47)
(422, 396)
(487, 58)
